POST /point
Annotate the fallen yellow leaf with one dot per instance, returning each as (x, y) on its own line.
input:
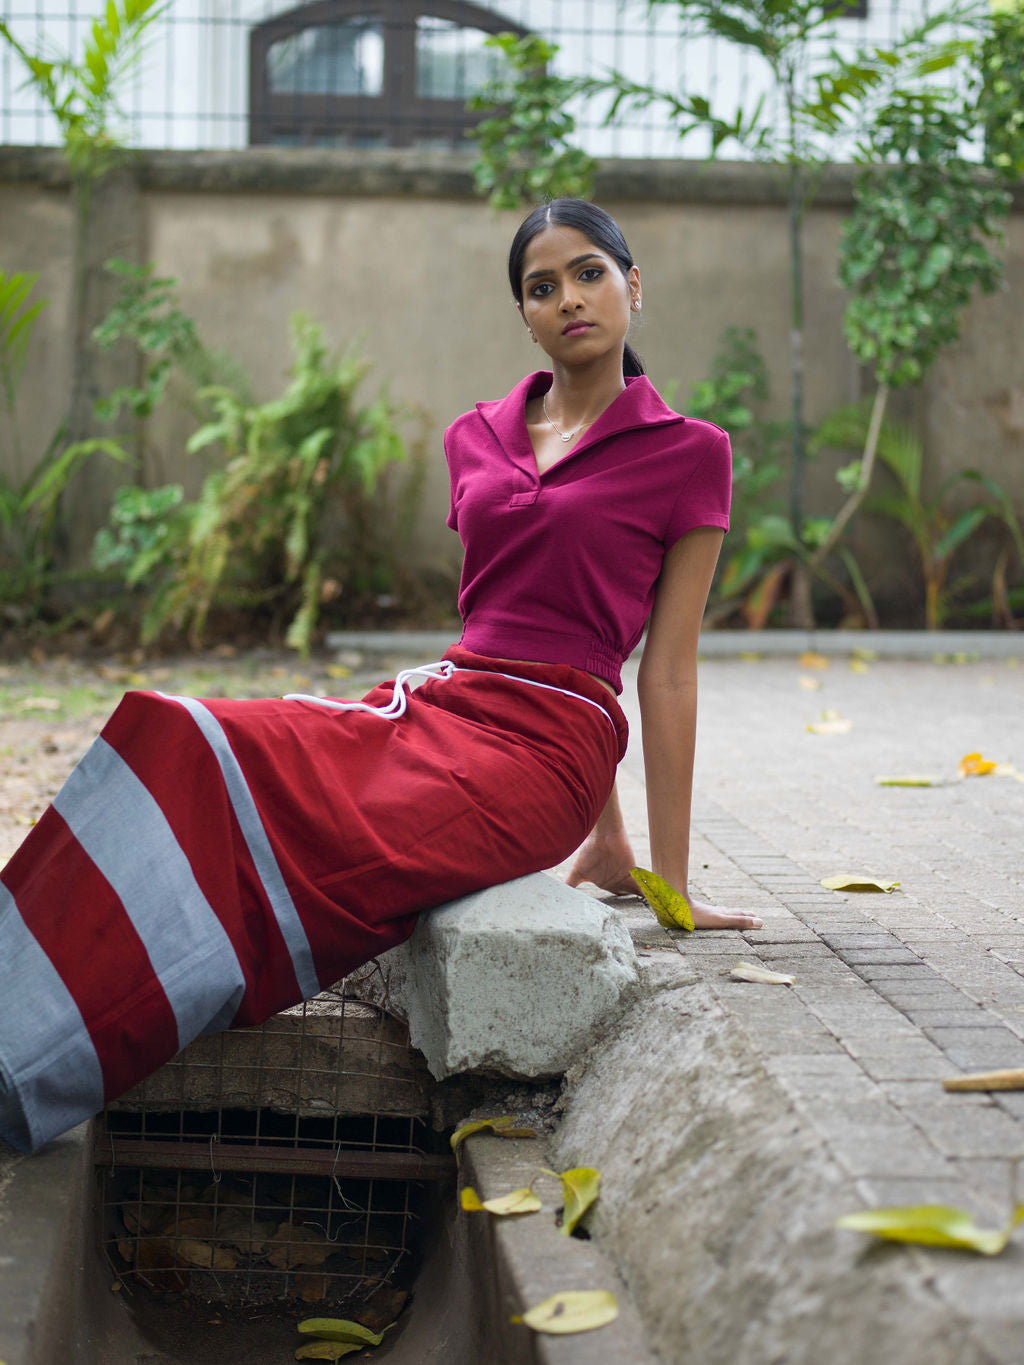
(859, 666)
(505, 1205)
(912, 780)
(580, 1188)
(671, 908)
(856, 881)
(809, 684)
(338, 671)
(1007, 770)
(519, 1201)
(811, 659)
(936, 1225)
(573, 1310)
(751, 971)
(340, 1329)
(502, 1126)
(830, 723)
(973, 765)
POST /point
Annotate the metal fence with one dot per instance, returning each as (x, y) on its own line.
(366, 73)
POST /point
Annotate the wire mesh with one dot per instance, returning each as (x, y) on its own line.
(286, 1162)
(382, 77)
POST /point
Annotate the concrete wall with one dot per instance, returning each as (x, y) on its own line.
(394, 246)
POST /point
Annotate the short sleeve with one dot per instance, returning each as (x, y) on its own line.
(452, 520)
(704, 498)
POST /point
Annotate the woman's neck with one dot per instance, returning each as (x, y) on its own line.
(582, 394)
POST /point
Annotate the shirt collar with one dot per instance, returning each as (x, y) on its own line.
(639, 405)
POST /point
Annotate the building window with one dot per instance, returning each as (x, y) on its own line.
(371, 73)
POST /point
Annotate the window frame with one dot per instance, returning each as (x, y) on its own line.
(398, 115)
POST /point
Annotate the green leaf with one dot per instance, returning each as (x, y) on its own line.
(856, 881)
(580, 1188)
(340, 1329)
(671, 908)
(932, 1225)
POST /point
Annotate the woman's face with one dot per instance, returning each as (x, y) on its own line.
(576, 300)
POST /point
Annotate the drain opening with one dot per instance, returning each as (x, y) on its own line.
(290, 1165)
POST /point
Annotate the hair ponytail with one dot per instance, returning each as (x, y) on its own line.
(597, 226)
(632, 365)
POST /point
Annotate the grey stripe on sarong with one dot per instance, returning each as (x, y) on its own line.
(255, 836)
(121, 827)
(50, 1075)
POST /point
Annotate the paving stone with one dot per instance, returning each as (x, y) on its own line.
(890, 972)
(885, 1149)
(878, 957)
(954, 1017)
(909, 1093)
(979, 1048)
(989, 1132)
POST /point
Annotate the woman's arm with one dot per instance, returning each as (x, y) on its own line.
(667, 687)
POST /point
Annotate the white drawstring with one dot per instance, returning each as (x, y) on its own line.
(439, 671)
(399, 698)
(548, 687)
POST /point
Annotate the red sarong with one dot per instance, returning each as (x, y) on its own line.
(208, 864)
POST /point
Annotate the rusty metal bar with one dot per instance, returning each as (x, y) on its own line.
(228, 1156)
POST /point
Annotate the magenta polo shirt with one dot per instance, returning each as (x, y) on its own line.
(560, 567)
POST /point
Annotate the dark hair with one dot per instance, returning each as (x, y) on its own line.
(597, 226)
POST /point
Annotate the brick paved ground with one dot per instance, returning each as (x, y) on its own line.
(893, 992)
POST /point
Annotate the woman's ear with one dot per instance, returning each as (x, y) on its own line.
(633, 279)
(519, 309)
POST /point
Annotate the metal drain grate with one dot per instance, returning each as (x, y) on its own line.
(291, 1161)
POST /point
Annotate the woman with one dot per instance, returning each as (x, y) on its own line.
(210, 863)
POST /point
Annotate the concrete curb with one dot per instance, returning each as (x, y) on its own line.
(530, 1259)
(45, 1223)
(887, 644)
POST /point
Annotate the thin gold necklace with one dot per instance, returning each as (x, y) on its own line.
(565, 435)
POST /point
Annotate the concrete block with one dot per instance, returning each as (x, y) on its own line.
(516, 980)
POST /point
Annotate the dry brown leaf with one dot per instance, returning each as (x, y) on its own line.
(299, 1246)
(206, 1255)
(811, 659)
(236, 1227)
(382, 1308)
(311, 1288)
(1007, 1078)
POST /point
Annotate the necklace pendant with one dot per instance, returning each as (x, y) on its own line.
(567, 436)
